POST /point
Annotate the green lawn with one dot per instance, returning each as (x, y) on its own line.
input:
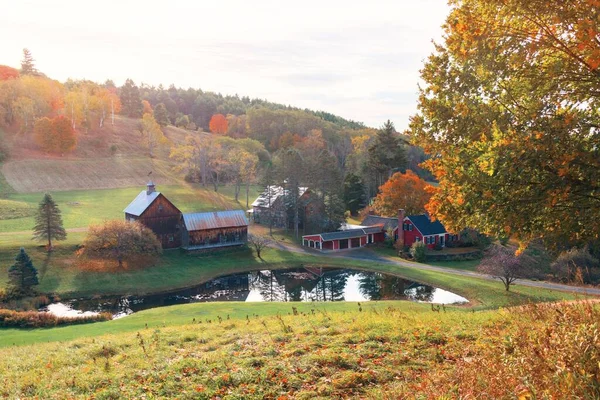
(81, 208)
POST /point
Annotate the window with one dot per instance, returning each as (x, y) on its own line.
(160, 208)
(410, 227)
(417, 239)
(426, 239)
(171, 238)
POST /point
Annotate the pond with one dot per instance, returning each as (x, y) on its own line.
(299, 284)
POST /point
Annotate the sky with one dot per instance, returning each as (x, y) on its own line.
(356, 59)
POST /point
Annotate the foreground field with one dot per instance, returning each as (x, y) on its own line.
(308, 351)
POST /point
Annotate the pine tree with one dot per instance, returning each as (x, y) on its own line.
(48, 222)
(354, 193)
(131, 101)
(22, 276)
(386, 154)
(27, 64)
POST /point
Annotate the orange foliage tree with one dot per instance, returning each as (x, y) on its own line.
(406, 191)
(147, 107)
(7, 73)
(218, 124)
(55, 135)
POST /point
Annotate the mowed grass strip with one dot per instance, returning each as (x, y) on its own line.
(11, 209)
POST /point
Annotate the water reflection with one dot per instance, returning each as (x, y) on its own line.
(310, 284)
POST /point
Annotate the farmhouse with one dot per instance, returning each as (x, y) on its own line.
(416, 228)
(191, 231)
(271, 206)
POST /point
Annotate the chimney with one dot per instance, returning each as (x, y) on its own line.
(401, 216)
(150, 188)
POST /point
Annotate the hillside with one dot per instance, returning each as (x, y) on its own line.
(111, 157)
(370, 351)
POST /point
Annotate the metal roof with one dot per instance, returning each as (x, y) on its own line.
(141, 203)
(214, 220)
(348, 234)
(272, 193)
(373, 229)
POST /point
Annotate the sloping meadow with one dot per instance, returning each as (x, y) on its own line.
(538, 351)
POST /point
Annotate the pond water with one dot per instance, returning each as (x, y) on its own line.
(300, 284)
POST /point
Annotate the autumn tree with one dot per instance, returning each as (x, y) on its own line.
(55, 135)
(7, 73)
(48, 222)
(508, 112)
(152, 134)
(161, 115)
(22, 276)
(28, 64)
(131, 101)
(146, 107)
(406, 191)
(218, 124)
(121, 241)
(502, 263)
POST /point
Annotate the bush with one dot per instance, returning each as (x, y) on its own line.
(418, 251)
(34, 319)
(472, 238)
(576, 265)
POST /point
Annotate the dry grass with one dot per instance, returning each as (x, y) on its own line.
(111, 157)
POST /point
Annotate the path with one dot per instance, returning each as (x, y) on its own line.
(367, 255)
(84, 229)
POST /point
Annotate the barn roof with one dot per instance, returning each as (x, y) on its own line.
(214, 220)
(387, 222)
(272, 193)
(426, 226)
(141, 203)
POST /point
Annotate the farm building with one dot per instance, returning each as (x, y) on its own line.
(214, 229)
(416, 228)
(374, 229)
(343, 240)
(273, 204)
(192, 231)
(154, 210)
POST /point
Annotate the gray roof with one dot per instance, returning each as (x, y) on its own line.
(271, 194)
(426, 226)
(347, 234)
(387, 222)
(141, 203)
(214, 220)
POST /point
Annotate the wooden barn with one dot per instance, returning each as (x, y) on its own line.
(214, 229)
(155, 211)
(271, 204)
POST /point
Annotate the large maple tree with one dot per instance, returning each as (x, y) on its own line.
(509, 112)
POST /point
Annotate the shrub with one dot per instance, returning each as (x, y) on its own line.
(418, 251)
(576, 265)
(34, 319)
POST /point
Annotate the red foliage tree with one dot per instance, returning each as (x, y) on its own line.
(218, 124)
(7, 73)
(55, 135)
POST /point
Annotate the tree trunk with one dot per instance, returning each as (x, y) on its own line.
(112, 110)
(247, 194)
(48, 229)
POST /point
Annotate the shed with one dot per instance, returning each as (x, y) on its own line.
(214, 229)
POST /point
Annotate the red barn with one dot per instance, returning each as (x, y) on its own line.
(155, 211)
(344, 240)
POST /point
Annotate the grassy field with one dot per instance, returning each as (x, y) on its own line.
(81, 208)
(375, 351)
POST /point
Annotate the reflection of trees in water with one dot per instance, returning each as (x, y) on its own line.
(374, 286)
(267, 286)
(331, 286)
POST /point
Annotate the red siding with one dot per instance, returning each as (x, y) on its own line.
(411, 236)
(363, 240)
(379, 237)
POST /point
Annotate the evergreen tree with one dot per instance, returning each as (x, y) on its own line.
(27, 64)
(161, 115)
(131, 100)
(386, 154)
(354, 193)
(48, 222)
(22, 276)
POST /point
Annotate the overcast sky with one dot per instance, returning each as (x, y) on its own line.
(359, 60)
